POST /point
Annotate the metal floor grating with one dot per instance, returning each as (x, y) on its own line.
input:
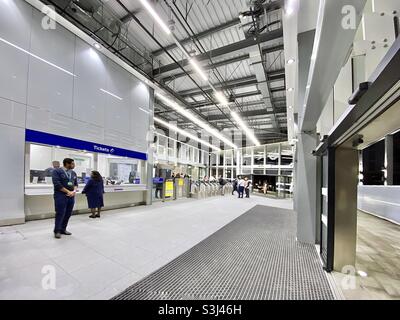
(255, 257)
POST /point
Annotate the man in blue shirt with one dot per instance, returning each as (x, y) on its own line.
(65, 186)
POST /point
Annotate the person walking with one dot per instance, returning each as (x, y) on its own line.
(94, 190)
(241, 185)
(247, 184)
(65, 183)
(159, 187)
(235, 186)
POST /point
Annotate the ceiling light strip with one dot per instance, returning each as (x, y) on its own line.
(218, 94)
(185, 133)
(189, 115)
(244, 127)
(156, 17)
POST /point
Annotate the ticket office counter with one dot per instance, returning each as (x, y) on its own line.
(124, 179)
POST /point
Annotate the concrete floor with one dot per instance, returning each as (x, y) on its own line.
(378, 255)
(105, 256)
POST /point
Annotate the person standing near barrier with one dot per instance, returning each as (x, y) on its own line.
(241, 185)
(234, 186)
(247, 184)
(221, 185)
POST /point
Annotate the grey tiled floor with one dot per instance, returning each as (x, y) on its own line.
(105, 256)
(378, 255)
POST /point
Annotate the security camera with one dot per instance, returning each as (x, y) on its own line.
(359, 140)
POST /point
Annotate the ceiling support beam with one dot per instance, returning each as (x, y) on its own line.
(201, 35)
(230, 48)
(233, 84)
(252, 113)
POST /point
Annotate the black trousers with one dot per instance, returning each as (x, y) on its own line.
(64, 206)
(241, 190)
(234, 189)
(247, 191)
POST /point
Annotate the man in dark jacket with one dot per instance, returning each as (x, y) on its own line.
(65, 183)
(235, 186)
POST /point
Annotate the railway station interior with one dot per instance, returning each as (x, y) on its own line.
(237, 150)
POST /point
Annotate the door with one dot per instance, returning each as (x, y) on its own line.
(327, 208)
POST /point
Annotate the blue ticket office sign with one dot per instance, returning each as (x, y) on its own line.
(61, 141)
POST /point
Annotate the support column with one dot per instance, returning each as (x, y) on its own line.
(252, 161)
(265, 160)
(238, 160)
(224, 164)
(389, 160)
(306, 188)
(345, 221)
(150, 150)
(279, 170)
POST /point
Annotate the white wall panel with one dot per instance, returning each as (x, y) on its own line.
(37, 119)
(140, 119)
(13, 74)
(15, 22)
(54, 45)
(12, 113)
(91, 76)
(118, 110)
(12, 170)
(111, 137)
(48, 86)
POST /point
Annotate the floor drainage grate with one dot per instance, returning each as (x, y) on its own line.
(255, 257)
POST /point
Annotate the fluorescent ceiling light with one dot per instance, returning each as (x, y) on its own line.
(221, 98)
(189, 115)
(36, 57)
(185, 133)
(111, 94)
(155, 16)
(198, 69)
(244, 127)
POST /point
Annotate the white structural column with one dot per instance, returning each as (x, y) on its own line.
(265, 159)
(150, 153)
(306, 188)
(224, 164)
(280, 170)
(252, 160)
(389, 159)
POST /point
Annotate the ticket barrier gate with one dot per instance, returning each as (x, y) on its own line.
(202, 189)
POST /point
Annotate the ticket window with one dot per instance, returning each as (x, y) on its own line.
(115, 170)
(43, 159)
(121, 170)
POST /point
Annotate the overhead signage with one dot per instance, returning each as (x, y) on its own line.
(55, 140)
